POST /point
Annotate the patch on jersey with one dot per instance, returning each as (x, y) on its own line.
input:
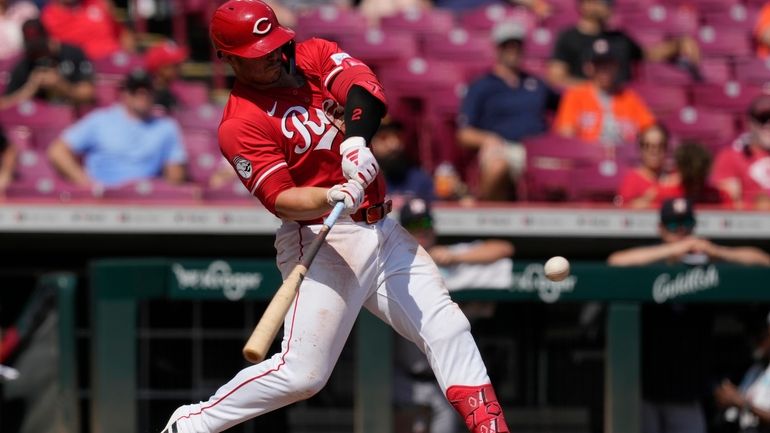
(340, 57)
(242, 166)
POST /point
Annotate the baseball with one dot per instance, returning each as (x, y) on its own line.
(556, 268)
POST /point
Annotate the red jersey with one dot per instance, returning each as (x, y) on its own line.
(279, 138)
(88, 25)
(636, 183)
(748, 165)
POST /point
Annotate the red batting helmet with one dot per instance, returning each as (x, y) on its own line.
(247, 28)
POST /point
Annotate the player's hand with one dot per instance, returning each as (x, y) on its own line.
(351, 193)
(358, 162)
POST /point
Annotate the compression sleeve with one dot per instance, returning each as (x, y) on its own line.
(363, 112)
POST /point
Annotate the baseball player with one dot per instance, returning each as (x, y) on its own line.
(296, 129)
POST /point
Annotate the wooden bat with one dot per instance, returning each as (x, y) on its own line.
(271, 321)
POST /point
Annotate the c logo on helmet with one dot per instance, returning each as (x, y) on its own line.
(260, 29)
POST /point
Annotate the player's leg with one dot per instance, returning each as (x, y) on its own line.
(315, 330)
(411, 296)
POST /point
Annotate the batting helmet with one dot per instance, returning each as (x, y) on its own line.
(247, 28)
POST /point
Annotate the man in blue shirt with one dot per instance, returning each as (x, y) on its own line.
(122, 143)
(500, 109)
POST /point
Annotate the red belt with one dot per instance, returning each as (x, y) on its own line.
(372, 214)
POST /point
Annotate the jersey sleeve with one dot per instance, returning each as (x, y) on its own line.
(256, 158)
(338, 70)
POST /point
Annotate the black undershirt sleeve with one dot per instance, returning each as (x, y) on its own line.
(363, 113)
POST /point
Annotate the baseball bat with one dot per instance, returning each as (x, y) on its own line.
(271, 321)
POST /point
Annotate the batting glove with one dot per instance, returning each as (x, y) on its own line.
(358, 162)
(351, 193)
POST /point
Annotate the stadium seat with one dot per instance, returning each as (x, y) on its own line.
(190, 93)
(206, 117)
(484, 18)
(710, 128)
(598, 182)
(665, 74)
(737, 16)
(753, 71)
(662, 100)
(540, 42)
(331, 23)
(732, 96)
(459, 45)
(419, 77)
(116, 66)
(47, 187)
(155, 189)
(230, 192)
(378, 48)
(724, 42)
(420, 22)
(715, 70)
(204, 155)
(107, 91)
(662, 18)
(44, 121)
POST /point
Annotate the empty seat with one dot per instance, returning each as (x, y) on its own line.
(153, 189)
(190, 93)
(205, 117)
(204, 156)
(33, 164)
(419, 77)
(38, 122)
(731, 96)
(662, 100)
(665, 74)
(710, 128)
(753, 71)
(724, 42)
(231, 192)
(377, 47)
(540, 42)
(329, 22)
(665, 19)
(117, 65)
(47, 187)
(737, 16)
(459, 45)
(484, 18)
(715, 70)
(420, 22)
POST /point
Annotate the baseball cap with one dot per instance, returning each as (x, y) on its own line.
(416, 213)
(509, 30)
(137, 79)
(602, 51)
(164, 54)
(676, 213)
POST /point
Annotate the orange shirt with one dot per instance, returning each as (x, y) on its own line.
(581, 110)
(763, 24)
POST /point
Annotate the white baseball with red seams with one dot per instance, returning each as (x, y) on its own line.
(282, 138)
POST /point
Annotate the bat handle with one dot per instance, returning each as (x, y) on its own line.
(334, 214)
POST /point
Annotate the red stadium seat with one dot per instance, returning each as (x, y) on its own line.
(665, 74)
(33, 164)
(737, 16)
(662, 18)
(204, 155)
(230, 192)
(540, 42)
(155, 189)
(484, 18)
(330, 23)
(732, 96)
(190, 93)
(753, 71)
(378, 48)
(598, 182)
(724, 42)
(418, 77)
(43, 121)
(47, 187)
(420, 22)
(459, 45)
(206, 117)
(710, 128)
(116, 66)
(662, 100)
(715, 70)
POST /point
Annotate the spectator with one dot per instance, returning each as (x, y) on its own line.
(574, 45)
(677, 223)
(122, 143)
(602, 109)
(12, 15)
(163, 62)
(49, 70)
(762, 32)
(88, 24)
(500, 109)
(8, 153)
(747, 406)
(693, 165)
(479, 264)
(403, 177)
(742, 170)
(642, 186)
(672, 385)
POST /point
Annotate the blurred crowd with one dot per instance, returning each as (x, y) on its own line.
(619, 102)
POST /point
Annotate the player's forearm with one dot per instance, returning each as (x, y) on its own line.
(742, 255)
(302, 203)
(641, 255)
(64, 161)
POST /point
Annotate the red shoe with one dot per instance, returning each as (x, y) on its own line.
(478, 406)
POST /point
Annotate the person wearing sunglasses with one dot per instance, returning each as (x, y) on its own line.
(742, 171)
(680, 245)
